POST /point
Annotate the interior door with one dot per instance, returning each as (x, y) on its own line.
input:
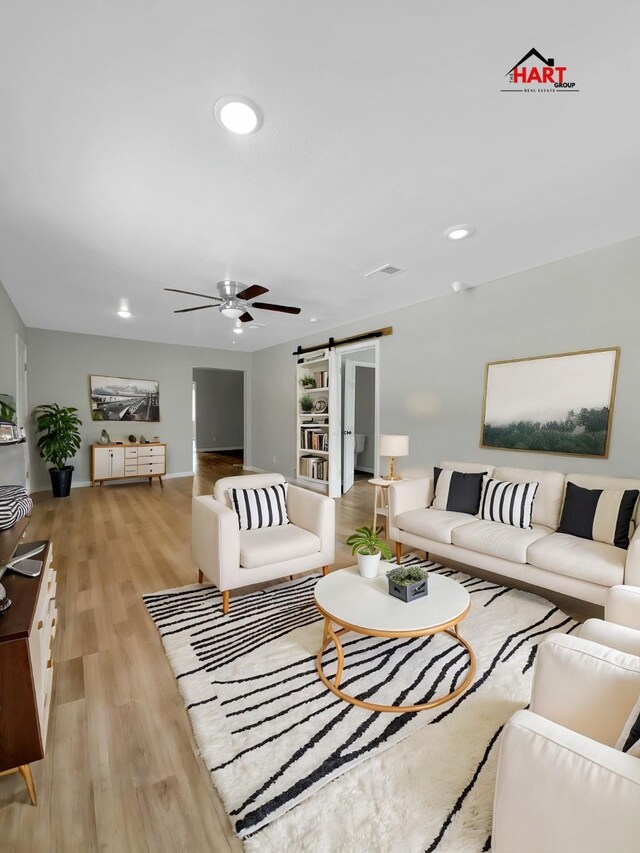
(348, 425)
(21, 399)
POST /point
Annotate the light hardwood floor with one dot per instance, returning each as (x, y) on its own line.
(120, 773)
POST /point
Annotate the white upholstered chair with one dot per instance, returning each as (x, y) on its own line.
(561, 785)
(234, 558)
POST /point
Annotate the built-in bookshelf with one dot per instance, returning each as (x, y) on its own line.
(315, 441)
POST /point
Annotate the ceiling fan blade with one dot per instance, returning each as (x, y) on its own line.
(191, 293)
(268, 306)
(246, 317)
(252, 291)
(197, 308)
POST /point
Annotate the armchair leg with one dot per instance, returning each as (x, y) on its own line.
(325, 570)
(225, 601)
(200, 577)
(398, 551)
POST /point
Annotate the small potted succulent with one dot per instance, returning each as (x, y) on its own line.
(306, 403)
(408, 582)
(369, 547)
(308, 381)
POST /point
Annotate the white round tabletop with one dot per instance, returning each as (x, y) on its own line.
(366, 603)
(379, 481)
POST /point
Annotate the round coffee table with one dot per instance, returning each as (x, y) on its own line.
(365, 606)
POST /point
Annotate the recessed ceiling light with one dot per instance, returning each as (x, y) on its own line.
(459, 232)
(238, 114)
(313, 319)
(124, 314)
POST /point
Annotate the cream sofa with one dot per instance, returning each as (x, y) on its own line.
(566, 564)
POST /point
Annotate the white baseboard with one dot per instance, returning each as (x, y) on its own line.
(82, 484)
(177, 474)
(363, 468)
(256, 470)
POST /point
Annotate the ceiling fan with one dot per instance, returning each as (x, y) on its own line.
(234, 301)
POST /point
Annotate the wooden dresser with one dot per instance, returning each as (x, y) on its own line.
(124, 461)
(26, 668)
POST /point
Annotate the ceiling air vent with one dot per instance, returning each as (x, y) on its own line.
(384, 272)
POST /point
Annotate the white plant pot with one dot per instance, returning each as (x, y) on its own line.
(368, 565)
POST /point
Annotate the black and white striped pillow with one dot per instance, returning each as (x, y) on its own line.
(508, 503)
(603, 515)
(255, 508)
(15, 504)
(456, 491)
(629, 740)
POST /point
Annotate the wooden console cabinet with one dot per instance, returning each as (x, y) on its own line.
(26, 668)
(124, 461)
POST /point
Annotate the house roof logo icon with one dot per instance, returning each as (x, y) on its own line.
(537, 73)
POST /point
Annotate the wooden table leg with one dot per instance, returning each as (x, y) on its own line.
(161, 483)
(25, 772)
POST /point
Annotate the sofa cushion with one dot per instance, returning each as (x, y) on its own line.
(599, 481)
(499, 540)
(579, 558)
(548, 502)
(268, 545)
(508, 503)
(600, 514)
(436, 524)
(456, 491)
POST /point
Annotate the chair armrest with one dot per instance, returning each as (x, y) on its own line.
(632, 564)
(317, 514)
(623, 606)
(609, 634)
(215, 541)
(588, 688)
(558, 791)
(405, 495)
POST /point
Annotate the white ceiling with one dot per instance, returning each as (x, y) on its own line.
(383, 125)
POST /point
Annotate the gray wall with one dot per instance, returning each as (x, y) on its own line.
(366, 414)
(219, 409)
(12, 458)
(432, 367)
(59, 367)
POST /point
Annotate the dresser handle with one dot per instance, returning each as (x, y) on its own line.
(40, 625)
(49, 663)
(53, 622)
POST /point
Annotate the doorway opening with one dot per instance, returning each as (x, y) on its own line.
(218, 414)
(358, 366)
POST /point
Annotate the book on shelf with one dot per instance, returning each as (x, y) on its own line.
(314, 467)
(321, 378)
(314, 439)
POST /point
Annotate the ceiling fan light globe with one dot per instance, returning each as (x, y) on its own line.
(233, 312)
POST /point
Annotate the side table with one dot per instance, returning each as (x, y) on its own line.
(381, 501)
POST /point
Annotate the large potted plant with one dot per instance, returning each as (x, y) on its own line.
(60, 440)
(369, 547)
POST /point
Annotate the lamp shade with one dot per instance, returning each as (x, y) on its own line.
(394, 445)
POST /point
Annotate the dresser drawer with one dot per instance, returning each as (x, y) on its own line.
(131, 452)
(131, 470)
(150, 450)
(147, 468)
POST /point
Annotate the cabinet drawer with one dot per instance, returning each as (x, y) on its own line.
(144, 469)
(131, 470)
(131, 452)
(150, 450)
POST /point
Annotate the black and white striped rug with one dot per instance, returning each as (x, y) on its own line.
(273, 736)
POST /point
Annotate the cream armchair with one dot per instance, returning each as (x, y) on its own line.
(561, 785)
(234, 558)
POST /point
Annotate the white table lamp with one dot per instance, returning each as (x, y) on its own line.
(392, 446)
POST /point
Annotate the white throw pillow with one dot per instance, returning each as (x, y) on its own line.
(629, 740)
(255, 508)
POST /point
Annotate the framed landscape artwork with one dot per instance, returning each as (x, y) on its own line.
(117, 399)
(551, 404)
